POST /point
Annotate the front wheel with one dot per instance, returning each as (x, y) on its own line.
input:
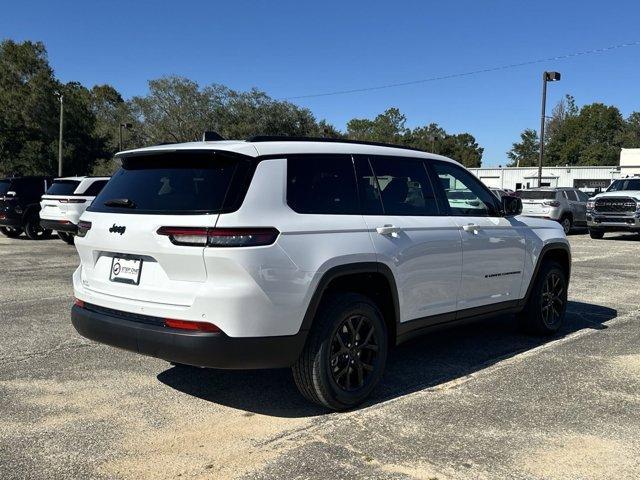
(545, 310)
(345, 354)
(596, 234)
(11, 232)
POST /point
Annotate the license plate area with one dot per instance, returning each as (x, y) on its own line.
(126, 270)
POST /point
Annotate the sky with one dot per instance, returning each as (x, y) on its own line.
(296, 48)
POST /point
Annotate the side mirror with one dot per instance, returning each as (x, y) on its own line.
(511, 206)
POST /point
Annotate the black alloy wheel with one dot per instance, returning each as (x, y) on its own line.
(552, 301)
(353, 353)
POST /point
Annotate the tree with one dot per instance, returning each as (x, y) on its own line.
(526, 152)
(28, 117)
(631, 133)
(593, 137)
(387, 127)
(564, 109)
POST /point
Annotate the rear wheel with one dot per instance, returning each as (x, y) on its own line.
(33, 229)
(545, 310)
(567, 224)
(67, 238)
(11, 232)
(345, 354)
(596, 234)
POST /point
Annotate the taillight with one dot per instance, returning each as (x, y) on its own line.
(551, 203)
(220, 237)
(72, 200)
(189, 325)
(83, 228)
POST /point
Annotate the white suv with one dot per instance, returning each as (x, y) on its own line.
(313, 254)
(65, 201)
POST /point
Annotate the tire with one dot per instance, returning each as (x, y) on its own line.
(333, 371)
(545, 310)
(67, 238)
(33, 230)
(596, 234)
(567, 224)
(11, 232)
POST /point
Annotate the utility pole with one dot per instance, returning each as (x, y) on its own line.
(126, 126)
(546, 77)
(61, 97)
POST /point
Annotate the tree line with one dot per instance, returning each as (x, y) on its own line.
(591, 135)
(175, 109)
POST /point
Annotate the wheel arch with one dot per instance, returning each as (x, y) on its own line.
(556, 251)
(373, 279)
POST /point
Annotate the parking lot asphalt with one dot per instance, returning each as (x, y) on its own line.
(481, 401)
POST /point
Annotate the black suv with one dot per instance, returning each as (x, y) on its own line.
(20, 206)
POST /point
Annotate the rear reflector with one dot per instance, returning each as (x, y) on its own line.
(189, 325)
(220, 237)
(78, 303)
(83, 228)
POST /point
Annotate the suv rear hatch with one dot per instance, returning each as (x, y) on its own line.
(537, 201)
(56, 200)
(186, 189)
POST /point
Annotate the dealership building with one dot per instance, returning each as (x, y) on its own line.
(583, 177)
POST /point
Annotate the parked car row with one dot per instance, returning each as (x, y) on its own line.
(615, 210)
(38, 205)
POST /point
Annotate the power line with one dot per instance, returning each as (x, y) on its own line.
(466, 74)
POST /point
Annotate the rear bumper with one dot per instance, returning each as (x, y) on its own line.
(548, 216)
(213, 350)
(59, 226)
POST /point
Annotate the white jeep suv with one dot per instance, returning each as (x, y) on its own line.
(306, 253)
(65, 201)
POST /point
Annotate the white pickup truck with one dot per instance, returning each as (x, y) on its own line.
(617, 209)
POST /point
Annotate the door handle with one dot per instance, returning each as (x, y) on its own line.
(471, 228)
(388, 230)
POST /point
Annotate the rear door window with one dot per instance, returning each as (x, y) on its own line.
(404, 186)
(322, 184)
(175, 183)
(63, 187)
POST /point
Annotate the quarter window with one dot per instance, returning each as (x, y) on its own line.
(404, 186)
(464, 193)
(323, 184)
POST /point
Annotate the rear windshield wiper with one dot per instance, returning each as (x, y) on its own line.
(120, 202)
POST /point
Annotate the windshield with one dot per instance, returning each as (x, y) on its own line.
(536, 194)
(63, 187)
(625, 184)
(5, 186)
(177, 182)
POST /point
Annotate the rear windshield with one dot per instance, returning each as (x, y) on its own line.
(537, 194)
(626, 184)
(63, 187)
(174, 183)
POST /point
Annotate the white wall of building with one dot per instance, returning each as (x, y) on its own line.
(583, 177)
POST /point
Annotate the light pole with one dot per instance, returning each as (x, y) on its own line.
(61, 97)
(126, 126)
(546, 77)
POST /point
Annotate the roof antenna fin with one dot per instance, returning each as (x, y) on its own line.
(211, 136)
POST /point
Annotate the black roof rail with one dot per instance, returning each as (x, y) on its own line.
(283, 138)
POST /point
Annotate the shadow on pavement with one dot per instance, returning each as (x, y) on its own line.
(424, 362)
